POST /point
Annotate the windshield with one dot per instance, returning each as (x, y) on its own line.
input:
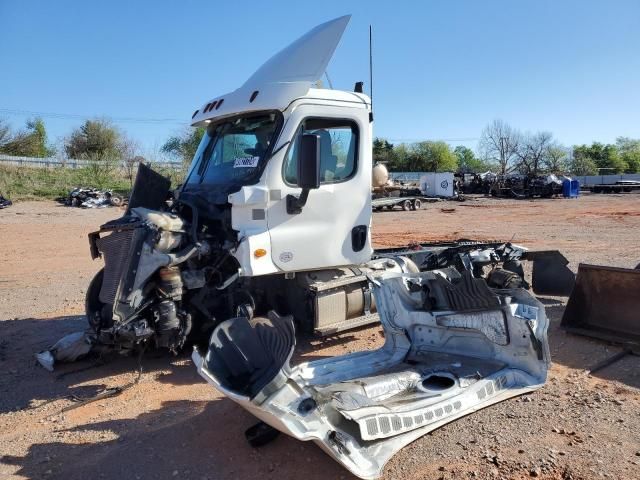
(233, 151)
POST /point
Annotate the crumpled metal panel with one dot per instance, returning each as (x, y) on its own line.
(364, 407)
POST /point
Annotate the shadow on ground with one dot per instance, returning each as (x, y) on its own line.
(24, 383)
(579, 352)
(181, 436)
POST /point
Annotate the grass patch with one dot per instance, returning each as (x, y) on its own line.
(33, 183)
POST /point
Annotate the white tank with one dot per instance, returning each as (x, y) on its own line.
(380, 175)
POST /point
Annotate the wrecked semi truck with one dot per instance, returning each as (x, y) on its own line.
(274, 214)
(270, 233)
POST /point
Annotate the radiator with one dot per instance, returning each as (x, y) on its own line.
(115, 249)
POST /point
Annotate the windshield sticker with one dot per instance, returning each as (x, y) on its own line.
(242, 162)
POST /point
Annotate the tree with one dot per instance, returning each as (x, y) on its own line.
(382, 151)
(531, 152)
(400, 162)
(581, 162)
(430, 156)
(467, 161)
(605, 158)
(5, 133)
(95, 139)
(499, 143)
(630, 153)
(31, 142)
(129, 149)
(556, 157)
(185, 145)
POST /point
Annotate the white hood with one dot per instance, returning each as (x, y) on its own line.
(305, 60)
(288, 75)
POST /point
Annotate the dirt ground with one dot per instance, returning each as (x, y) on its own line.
(173, 425)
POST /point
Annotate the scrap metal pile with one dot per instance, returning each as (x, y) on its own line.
(512, 185)
(5, 202)
(88, 197)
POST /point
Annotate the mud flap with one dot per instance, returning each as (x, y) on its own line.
(604, 304)
(551, 276)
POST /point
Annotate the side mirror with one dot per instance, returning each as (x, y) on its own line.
(308, 162)
(308, 166)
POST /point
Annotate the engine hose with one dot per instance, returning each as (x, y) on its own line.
(183, 255)
(188, 324)
(194, 219)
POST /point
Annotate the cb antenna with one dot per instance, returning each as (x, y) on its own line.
(371, 66)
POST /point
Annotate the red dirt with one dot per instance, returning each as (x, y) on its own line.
(172, 425)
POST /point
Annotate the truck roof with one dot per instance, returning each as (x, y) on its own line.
(273, 97)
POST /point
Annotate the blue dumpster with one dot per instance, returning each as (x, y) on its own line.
(570, 188)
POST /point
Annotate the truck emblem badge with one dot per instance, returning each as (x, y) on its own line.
(286, 257)
(444, 184)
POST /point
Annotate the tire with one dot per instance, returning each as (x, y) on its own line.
(406, 205)
(116, 200)
(92, 304)
(417, 204)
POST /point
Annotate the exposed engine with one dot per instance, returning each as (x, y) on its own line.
(139, 293)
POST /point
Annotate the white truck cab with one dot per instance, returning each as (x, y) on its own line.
(253, 144)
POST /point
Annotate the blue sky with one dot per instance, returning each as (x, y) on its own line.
(442, 70)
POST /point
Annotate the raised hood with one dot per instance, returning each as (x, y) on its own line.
(288, 75)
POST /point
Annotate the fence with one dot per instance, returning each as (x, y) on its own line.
(397, 176)
(67, 162)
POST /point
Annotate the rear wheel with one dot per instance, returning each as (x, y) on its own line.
(417, 204)
(406, 205)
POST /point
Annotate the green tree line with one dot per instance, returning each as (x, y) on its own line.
(501, 148)
(504, 149)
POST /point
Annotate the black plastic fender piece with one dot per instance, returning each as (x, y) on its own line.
(260, 434)
(550, 275)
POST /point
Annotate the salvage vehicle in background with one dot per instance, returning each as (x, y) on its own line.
(270, 233)
(525, 186)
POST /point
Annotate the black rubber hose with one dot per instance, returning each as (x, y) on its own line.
(194, 219)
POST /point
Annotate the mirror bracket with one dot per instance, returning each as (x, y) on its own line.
(295, 204)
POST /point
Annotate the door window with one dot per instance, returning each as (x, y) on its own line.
(338, 149)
